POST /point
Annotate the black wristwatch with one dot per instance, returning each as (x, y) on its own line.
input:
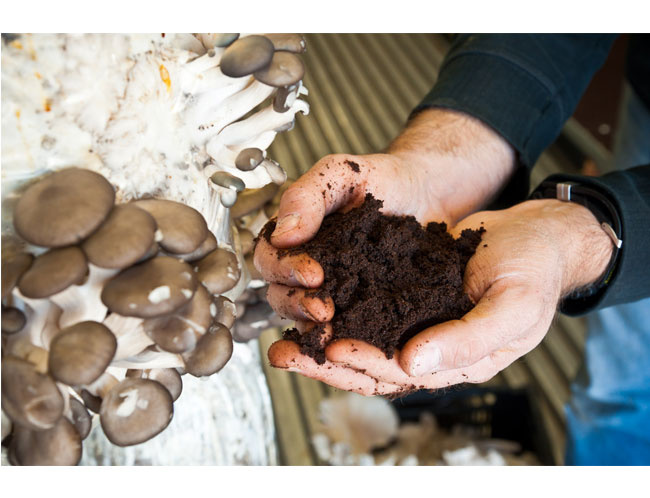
(604, 211)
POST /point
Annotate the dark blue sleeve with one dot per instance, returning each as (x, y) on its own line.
(525, 86)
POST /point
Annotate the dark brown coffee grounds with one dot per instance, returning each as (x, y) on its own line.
(353, 166)
(388, 276)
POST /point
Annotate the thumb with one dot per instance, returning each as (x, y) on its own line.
(330, 184)
(503, 314)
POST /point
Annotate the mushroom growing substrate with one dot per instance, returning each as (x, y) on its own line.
(135, 178)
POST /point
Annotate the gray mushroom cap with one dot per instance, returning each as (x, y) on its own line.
(224, 311)
(63, 208)
(211, 353)
(80, 354)
(206, 247)
(290, 42)
(246, 55)
(218, 271)
(183, 228)
(226, 180)
(285, 97)
(60, 445)
(123, 239)
(158, 286)
(178, 332)
(12, 269)
(252, 270)
(80, 417)
(246, 240)
(211, 40)
(168, 377)
(248, 159)
(92, 402)
(29, 398)
(135, 410)
(13, 320)
(258, 317)
(285, 69)
(54, 271)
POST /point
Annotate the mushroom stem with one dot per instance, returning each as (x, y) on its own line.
(83, 302)
(151, 359)
(41, 311)
(6, 425)
(23, 348)
(216, 117)
(131, 338)
(206, 61)
(102, 386)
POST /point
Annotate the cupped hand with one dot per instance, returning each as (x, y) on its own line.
(531, 256)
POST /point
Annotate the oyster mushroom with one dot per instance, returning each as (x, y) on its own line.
(224, 311)
(290, 42)
(13, 320)
(178, 332)
(285, 69)
(63, 208)
(29, 398)
(12, 269)
(79, 417)
(135, 410)
(53, 272)
(168, 377)
(246, 55)
(206, 247)
(218, 271)
(81, 353)
(127, 236)
(183, 228)
(156, 287)
(211, 353)
(212, 40)
(58, 445)
(251, 200)
(248, 159)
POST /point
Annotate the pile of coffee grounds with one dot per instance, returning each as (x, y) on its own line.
(388, 276)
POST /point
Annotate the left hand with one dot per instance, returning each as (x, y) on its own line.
(531, 256)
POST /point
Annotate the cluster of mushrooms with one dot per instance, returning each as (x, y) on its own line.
(112, 302)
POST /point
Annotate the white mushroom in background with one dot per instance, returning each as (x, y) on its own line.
(125, 159)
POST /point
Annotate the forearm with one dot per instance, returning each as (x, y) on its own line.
(465, 161)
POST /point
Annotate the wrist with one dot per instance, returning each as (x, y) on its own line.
(463, 162)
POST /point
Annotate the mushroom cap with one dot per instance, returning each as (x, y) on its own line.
(63, 208)
(285, 97)
(211, 40)
(80, 354)
(248, 159)
(211, 353)
(60, 445)
(123, 239)
(252, 199)
(290, 42)
(135, 410)
(13, 320)
(80, 417)
(285, 69)
(92, 402)
(257, 318)
(246, 55)
(218, 271)
(252, 270)
(246, 240)
(54, 271)
(12, 269)
(158, 286)
(183, 228)
(29, 398)
(226, 180)
(177, 333)
(225, 311)
(168, 377)
(207, 246)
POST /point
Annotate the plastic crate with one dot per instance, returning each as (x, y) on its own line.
(492, 412)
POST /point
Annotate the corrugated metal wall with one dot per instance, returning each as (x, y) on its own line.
(362, 88)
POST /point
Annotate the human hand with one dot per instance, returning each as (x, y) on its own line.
(530, 257)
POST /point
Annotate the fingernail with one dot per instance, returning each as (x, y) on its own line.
(306, 312)
(300, 278)
(426, 361)
(286, 224)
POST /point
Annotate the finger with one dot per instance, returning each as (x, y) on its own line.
(286, 355)
(502, 315)
(294, 270)
(296, 303)
(372, 361)
(331, 183)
